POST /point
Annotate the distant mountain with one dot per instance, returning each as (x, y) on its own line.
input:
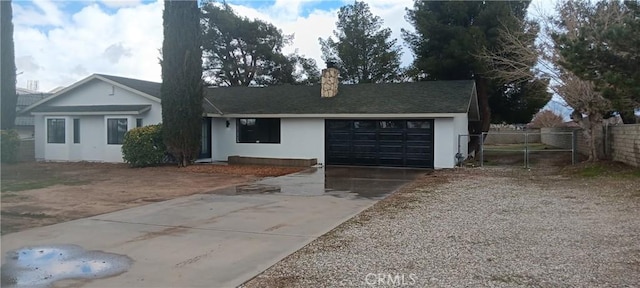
(559, 107)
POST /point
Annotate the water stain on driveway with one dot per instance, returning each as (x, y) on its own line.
(41, 266)
(341, 182)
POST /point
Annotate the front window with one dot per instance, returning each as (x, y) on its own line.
(258, 130)
(55, 130)
(116, 128)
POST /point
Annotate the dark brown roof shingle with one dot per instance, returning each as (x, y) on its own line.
(384, 98)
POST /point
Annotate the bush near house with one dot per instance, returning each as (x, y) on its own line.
(143, 146)
(10, 145)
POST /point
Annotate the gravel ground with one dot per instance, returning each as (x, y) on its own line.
(488, 227)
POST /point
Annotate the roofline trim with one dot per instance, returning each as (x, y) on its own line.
(125, 87)
(339, 116)
(135, 112)
(82, 82)
(55, 95)
(474, 96)
(214, 106)
(87, 113)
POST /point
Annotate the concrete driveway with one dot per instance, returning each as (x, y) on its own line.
(218, 239)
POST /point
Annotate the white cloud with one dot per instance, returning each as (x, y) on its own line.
(92, 40)
(120, 3)
(39, 13)
(27, 64)
(116, 51)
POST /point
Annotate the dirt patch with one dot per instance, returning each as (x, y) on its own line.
(38, 194)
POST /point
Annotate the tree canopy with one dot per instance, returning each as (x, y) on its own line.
(181, 89)
(7, 60)
(603, 46)
(448, 40)
(363, 49)
(240, 52)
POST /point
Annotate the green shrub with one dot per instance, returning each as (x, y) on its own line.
(10, 146)
(143, 146)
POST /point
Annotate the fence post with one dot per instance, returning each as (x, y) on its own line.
(482, 149)
(574, 146)
(526, 150)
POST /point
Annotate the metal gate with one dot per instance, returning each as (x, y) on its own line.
(529, 144)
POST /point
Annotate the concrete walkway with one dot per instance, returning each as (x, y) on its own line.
(222, 238)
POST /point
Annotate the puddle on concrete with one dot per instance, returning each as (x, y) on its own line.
(257, 189)
(41, 266)
(351, 182)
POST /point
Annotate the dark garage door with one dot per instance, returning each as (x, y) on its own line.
(400, 143)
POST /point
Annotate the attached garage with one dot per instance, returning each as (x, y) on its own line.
(412, 124)
(384, 142)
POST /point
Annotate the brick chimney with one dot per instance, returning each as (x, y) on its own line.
(329, 81)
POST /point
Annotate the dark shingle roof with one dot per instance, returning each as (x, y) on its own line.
(93, 108)
(24, 100)
(147, 87)
(386, 98)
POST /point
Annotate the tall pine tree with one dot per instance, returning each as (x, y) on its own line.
(363, 49)
(182, 80)
(8, 64)
(605, 50)
(448, 39)
(240, 51)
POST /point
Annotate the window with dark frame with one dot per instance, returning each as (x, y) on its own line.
(55, 130)
(138, 122)
(116, 128)
(258, 130)
(76, 130)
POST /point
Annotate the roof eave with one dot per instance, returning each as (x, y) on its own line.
(88, 113)
(55, 95)
(125, 87)
(82, 82)
(473, 109)
(341, 116)
(77, 113)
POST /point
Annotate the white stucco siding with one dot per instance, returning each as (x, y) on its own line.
(461, 126)
(113, 152)
(300, 138)
(39, 134)
(446, 131)
(444, 145)
(98, 92)
(92, 138)
(58, 151)
(93, 128)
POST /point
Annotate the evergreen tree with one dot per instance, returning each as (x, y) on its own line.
(181, 89)
(448, 39)
(7, 60)
(240, 52)
(363, 50)
(605, 48)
